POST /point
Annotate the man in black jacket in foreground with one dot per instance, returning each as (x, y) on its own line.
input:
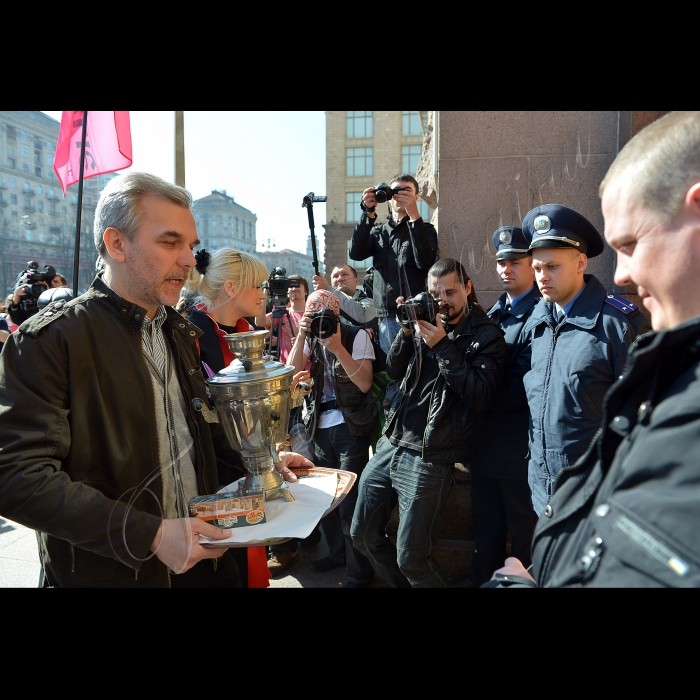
(627, 513)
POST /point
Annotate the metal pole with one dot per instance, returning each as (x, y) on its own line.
(179, 149)
(76, 259)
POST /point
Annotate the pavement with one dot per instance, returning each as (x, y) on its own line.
(19, 556)
(20, 567)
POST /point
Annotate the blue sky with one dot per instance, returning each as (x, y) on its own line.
(267, 161)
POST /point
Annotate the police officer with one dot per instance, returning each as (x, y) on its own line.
(499, 486)
(580, 337)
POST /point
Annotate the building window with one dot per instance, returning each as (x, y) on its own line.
(11, 163)
(360, 161)
(74, 199)
(410, 157)
(25, 168)
(13, 199)
(39, 189)
(15, 233)
(25, 152)
(13, 182)
(352, 206)
(50, 175)
(27, 202)
(359, 125)
(24, 135)
(412, 124)
(14, 215)
(40, 205)
(26, 186)
(37, 171)
(52, 208)
(424, 210)
(63, 210)
(49, 145)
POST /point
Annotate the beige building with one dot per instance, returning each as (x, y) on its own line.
(362, 150)
(292, 261)
(223, 223)
(36, 221)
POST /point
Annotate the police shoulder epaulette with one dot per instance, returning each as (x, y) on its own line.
(620, 303)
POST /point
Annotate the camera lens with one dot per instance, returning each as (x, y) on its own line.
(323, 324)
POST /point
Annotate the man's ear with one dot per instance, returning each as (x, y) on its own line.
(114, 241)
(692, 199)
(582, 262)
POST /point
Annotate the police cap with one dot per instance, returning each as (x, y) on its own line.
(557, 226)
(510, 243)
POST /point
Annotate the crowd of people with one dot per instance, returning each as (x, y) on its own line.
(575, 411)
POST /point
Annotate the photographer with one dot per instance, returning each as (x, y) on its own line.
(355, 305)
(29, 287)
(403, 249)
(285, 324)
(340, 418)
(451, 358)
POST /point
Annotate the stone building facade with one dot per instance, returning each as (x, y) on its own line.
(223, 223)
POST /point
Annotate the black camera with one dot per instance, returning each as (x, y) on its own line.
(421, 307)
(323, 324)
(278, 284)
(383, 193)
(29, 279)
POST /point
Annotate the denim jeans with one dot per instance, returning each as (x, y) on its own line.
(422, 488)
(335, 448)
(388, 328)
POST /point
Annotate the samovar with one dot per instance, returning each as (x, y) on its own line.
(253, 398)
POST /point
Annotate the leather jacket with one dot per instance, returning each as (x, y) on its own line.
(79, 459)
(471, 368)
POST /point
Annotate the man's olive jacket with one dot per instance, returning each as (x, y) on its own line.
(79, 459)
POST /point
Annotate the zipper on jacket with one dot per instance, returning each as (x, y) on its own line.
(427, 422)
(546, 394)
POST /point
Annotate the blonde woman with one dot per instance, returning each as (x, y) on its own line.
(227, 288)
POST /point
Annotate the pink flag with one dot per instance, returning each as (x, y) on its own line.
(107, 145)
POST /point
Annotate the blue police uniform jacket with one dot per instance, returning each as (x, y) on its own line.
(573, 364)
(502, 451)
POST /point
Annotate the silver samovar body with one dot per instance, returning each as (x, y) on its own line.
(252, 397)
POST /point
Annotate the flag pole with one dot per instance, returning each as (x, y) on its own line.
(76, 260)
